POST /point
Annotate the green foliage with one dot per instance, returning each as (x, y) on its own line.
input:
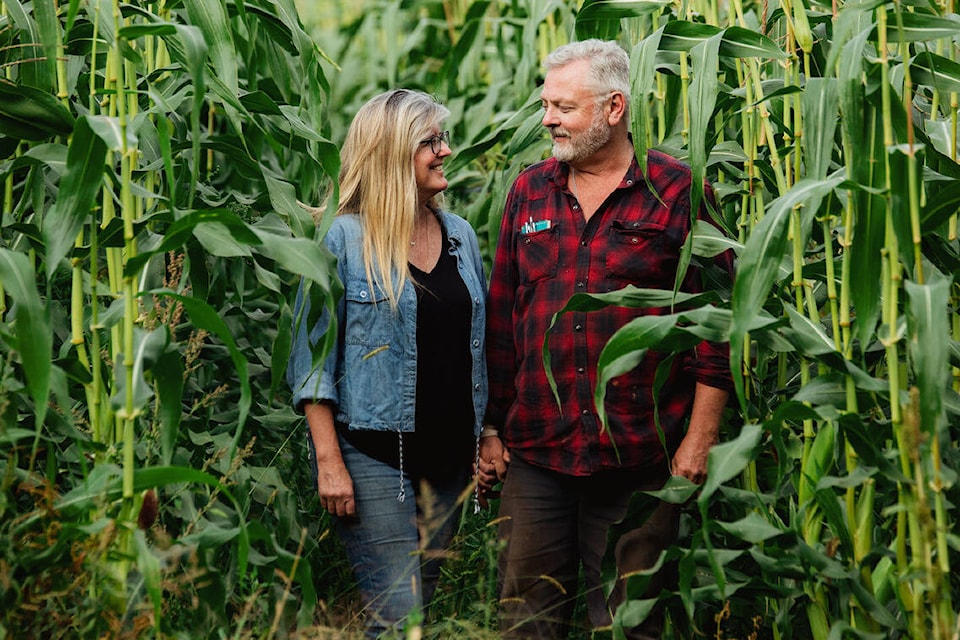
(152, 161)
(154, 158)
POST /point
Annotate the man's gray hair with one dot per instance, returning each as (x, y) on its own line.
(609, 64)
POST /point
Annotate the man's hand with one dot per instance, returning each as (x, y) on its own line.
(690, 459)
(492, 466)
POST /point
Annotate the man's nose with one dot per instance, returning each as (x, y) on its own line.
(550, 118)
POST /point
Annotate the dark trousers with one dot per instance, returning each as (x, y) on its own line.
(552, 523)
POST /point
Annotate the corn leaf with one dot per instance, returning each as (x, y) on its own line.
(35, 70)
(148, 347)
(168, 378)
(29, 113)
(601, 18)
(936, 71)
(760, 262)
(820, 103)
(929, 328)
(78, 189)
(752, 528)
(34, 339)
(737, 42)
(703, 95)
(642, 69)
(212, 19)
(919, 27)
(48, 27)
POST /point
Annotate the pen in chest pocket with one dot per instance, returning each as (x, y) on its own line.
(532, 226)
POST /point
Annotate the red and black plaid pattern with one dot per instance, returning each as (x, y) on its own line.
(546, 253)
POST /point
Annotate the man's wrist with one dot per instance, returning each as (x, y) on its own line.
(489, 431)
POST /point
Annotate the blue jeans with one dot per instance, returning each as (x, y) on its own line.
(396, 548)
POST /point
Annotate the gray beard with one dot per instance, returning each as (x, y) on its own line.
(591, 141)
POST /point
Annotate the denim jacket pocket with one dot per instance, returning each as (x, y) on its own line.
(368, 317)
(537, 255)
(374, 353)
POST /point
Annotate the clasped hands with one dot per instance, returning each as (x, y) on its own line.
(491, 466)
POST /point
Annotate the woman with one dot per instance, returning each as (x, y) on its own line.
(398, 403)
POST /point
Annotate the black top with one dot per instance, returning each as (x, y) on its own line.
(443, 444)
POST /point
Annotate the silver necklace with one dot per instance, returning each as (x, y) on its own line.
(416, 229)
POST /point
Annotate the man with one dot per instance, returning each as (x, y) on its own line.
(585, 221)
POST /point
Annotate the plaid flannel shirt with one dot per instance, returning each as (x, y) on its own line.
(631, 239)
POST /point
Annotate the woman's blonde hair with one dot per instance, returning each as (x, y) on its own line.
(378, 180)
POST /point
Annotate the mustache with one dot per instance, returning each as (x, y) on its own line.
(559, 132)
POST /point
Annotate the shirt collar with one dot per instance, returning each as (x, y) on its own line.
(560, 174)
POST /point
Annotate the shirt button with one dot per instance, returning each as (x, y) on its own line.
(581, 370)
(575, 207)
(583, 243)
(579, 327)
(579, 285)
(629, 181)
(635, 240)
(585, 412)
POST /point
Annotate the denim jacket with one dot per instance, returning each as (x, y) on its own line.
(371, 375)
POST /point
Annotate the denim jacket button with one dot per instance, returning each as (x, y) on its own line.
(476, 343)
(363, 294)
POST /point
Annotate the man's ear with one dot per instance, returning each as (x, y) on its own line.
(617, 107)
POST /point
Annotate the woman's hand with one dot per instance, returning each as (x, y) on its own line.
(335, 487)
(492, 466)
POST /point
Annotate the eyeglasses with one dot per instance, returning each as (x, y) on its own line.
(436, 142)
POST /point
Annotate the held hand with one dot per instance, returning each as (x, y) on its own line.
(335, 488)
(690, 459)
(494, 459)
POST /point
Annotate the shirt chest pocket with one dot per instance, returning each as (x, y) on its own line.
(369, 320)
(644, 254)
(537, 255)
